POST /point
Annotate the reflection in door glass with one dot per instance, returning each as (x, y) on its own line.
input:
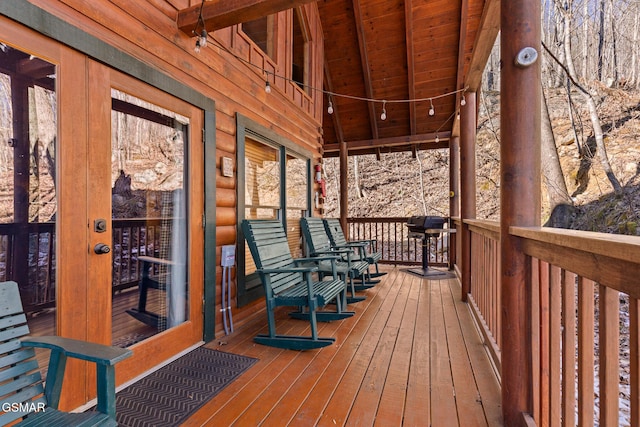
(149, 220)
(28, 196)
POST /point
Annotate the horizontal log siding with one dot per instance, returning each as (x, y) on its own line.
(147, 30)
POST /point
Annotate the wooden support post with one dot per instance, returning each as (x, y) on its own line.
(21, 165)
(344, 188)
(454, 193)
(467, 185)
(519, 197)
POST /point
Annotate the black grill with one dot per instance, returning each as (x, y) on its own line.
(418, 224)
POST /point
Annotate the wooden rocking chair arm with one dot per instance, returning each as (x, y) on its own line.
(91, 352)
(308, 269)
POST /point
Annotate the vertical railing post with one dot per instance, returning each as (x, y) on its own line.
(454, 193)
(467, 185)
(519, 195)
(344, 188)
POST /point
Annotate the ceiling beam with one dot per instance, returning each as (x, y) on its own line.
(219, 14)
(394, 141)
(364, 59)
(462, 47)
(487, 33)
(408, 18)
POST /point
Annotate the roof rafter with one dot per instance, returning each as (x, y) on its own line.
(364, 59)
(488, 31)
(408, 17)
(218, 14)
(462, 45)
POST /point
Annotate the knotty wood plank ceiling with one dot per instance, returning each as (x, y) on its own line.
(400, 50)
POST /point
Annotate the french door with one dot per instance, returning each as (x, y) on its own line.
(144, 210)
(104, 231)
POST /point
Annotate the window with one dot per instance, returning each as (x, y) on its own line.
(261, 31)
(262, 187)
(300, 55)
(273, 183)
(297, 199)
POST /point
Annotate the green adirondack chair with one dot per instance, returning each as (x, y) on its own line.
(22, 392)
(366, 247)
(350, 264)
(290, 282)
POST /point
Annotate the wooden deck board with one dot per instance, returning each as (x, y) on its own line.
(410, 356)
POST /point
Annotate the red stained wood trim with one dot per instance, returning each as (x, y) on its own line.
(219, 14)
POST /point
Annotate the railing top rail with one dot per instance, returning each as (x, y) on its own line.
(493, 226)
(379, 219)
(617, 246)
(609, 259)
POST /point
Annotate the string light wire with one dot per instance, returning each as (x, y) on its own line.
(342, 95)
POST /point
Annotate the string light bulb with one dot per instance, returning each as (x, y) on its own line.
(267, 86)
(203, 38)
(330, 107)
(198, 45)
(383, 116)
(437, 138)
(432, 110)
(463, 101)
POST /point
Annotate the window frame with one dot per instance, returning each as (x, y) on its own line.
(249, 287)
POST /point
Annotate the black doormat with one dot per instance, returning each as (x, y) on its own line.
(170, 395)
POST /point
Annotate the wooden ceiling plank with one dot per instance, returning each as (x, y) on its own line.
(219, 14)
(409, 30)
(335, 117)
(364, 59)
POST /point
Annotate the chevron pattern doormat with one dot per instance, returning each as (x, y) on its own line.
(170, 395)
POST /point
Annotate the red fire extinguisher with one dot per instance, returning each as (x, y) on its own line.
(320, 180)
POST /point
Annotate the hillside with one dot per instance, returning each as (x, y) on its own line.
(400, 185)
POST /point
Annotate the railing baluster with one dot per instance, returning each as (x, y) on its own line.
(568, 349)
(609, 332)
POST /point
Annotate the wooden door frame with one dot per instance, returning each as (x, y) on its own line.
(60, 42)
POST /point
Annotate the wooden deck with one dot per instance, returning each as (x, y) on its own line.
(410, 356)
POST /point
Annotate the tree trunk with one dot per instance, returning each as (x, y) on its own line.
(633, 78)
(586, 42)
(356, 174)
(591, 106)
(601, 41)
(557, 193)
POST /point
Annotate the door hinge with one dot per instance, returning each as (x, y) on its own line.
(204, 135)
(203, 305)
(204, 220)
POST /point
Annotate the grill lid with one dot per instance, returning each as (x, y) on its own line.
(421, 223)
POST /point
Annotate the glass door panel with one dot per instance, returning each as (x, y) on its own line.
(28, 193)
(148, 219)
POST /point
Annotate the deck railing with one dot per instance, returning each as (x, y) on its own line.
(392, 240)
(585, 320)
(37, 281)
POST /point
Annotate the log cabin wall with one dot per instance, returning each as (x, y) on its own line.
(228, 70)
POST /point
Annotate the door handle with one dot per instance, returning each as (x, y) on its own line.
(101, 248)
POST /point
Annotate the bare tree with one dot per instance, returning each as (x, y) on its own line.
(557, 193)
(569, 68)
